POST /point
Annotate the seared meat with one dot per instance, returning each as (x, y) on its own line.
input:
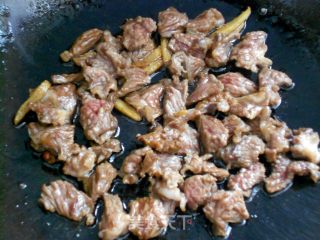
(249, 53)
(171, 21)
(201, 165)
(140, 53)
(80, 163)
(225, 207)
(135, 78)
(185, 65)
(213, 134)
(198, 189)
(96, 119)
(216, 102)
(113, 56)
(111, 41)
(160, 166)
(147, 101)
(149, 217)
(104, 63)
(243, 154)
(114, 221)
(205, 22)
(59, 141)
(284, 170)
(105, 150)
(219, 52)
(277, 136)
(131, 165)
(207, 86)
(274, 79)
(57, 106)
(236, 127)
(137, 32)
(249, 106)
(305, 145)
(237, 85)
(175, 98)
(100, 181)
(100, 82)
(192, 44)
(66, 78)
(247, 178)
(62, 197)
(175, 138)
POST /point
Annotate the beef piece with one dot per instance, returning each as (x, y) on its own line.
(237, 85)
(171, 21)
(96, 119)
(213, 103)
(114, 221)
(175, 138)
(192, 44)
(113, 56)
(147, 101)
(175, 98)
(62, 197)
(66, 78)
(185, 65)
(198, 189)
(305, 145)
(243, 154)
(207, 86)
(213, 134)
(169, 191)
(83, 59)
(80, 163)
(105, 150)
(280, 177)
(149, 217)
(284, 170)
(225, 207)
(57, 106)
(100, 181)
(249, 106)
(160, 165)
(201, 165)
(135, 78)
(59, 141)
(236, 127)
(249, 53)
(277, 136)
(219, 52)
(247, 178)
(104, 63)
(137, 32)
(205, 22)
(131, 165)
(111, 41)
(100, 83)
(274, 79)
(141, 53)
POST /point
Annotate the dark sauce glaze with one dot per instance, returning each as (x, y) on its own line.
(36, 68)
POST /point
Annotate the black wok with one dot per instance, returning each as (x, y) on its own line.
(31, 55)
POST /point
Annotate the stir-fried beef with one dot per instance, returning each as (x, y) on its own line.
(147, 101)
(105, 150)
(171, 21)
(114, 221)
(249, 53)
(198, 189)
(66, 78)
(62, 197)
(207, 86)
(205, 22)
(100, 181)
(247, 178)
(96, 119)
(225, 207)
(236, 127)
(57, 140)
(57, 106)
(137, 32)
(148, 217)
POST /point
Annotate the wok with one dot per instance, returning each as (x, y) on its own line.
(39, 31)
